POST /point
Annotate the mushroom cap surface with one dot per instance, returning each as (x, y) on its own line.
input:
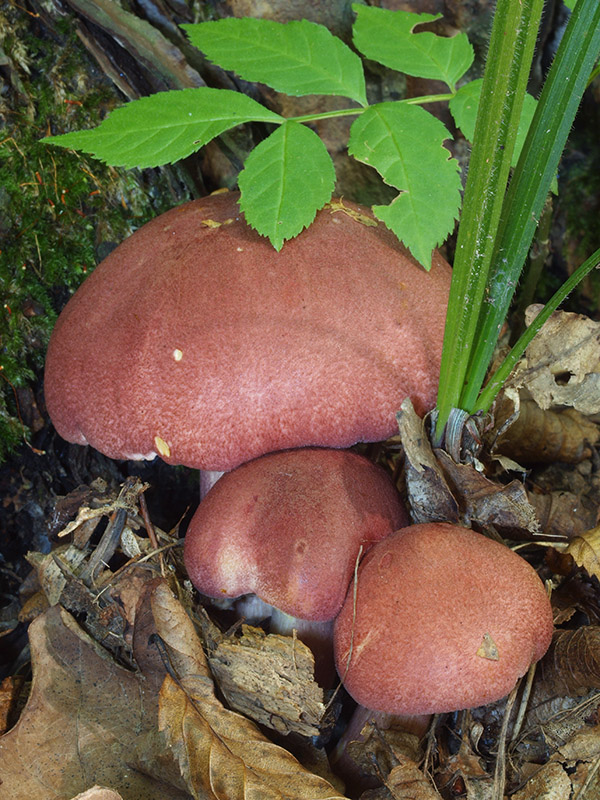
(446, 619)
(289, 526)
(197, 341)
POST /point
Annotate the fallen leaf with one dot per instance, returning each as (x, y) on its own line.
(221, 754)
(405, 782)
(505, 507)
(572, 664)
(532, 435)
(551, 782)
(562, 364)
(83, 720)
(562, 515)
(585, 551)
(98, 793)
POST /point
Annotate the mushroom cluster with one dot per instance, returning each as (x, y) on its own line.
(197, 342)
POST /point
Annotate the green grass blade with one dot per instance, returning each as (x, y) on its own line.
(493, 386)
(514, 33)
(531, 181)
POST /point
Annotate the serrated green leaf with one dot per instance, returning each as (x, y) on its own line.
(389, 38)
(404, 143)
(298, 57)
(465, 103)
(165, 127)
(286, 179)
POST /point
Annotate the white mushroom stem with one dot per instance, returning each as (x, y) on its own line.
(208, 478)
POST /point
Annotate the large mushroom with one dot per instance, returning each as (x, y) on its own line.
(444, 619)
(289, 528)
(197, 341)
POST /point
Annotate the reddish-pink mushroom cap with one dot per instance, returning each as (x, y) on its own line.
(444, 619)
(289, 527)
(197, 341)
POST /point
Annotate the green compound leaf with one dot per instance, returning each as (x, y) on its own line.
(389, 38)
(298, 57)
(286, 179)
(165, 127)
(465, 103)
(404, 143)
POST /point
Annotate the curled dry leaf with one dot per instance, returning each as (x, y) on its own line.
(562, 364)
(221, 754)
(391, 755)
(429, 496)
(572, 664)
(530, 435)
(585, 551)
(506, 508)
(551, 782)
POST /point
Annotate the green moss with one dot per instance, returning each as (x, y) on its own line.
(57, 210)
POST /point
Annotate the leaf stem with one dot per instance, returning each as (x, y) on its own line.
(348, 112)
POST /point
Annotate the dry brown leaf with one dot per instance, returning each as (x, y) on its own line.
(585, 551)
(531, 435)
(506, 508)
(270, 679)
(82, 722)
(551, 782)
(429, 497)
(221, 754)
(572, 664)
(405, 782)
(562, 364)
(98, 793)
(562, 515)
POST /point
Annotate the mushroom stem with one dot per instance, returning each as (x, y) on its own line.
(318, 636)
(344, 765)
(208, 478)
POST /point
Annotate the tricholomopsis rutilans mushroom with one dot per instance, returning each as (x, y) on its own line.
(289, 527)
(197, 341)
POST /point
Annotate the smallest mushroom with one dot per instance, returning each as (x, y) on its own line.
(289, 527)
(443, 619)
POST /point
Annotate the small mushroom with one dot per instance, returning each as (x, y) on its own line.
(289, 527)
(444, 619)
(196, 341)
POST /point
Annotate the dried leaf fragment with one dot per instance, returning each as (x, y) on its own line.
(270, 679)
(507, 508)
(562, 364)
(429, 496)
(572, 664)
(585, 551)
(542, 436)
(84, 717)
